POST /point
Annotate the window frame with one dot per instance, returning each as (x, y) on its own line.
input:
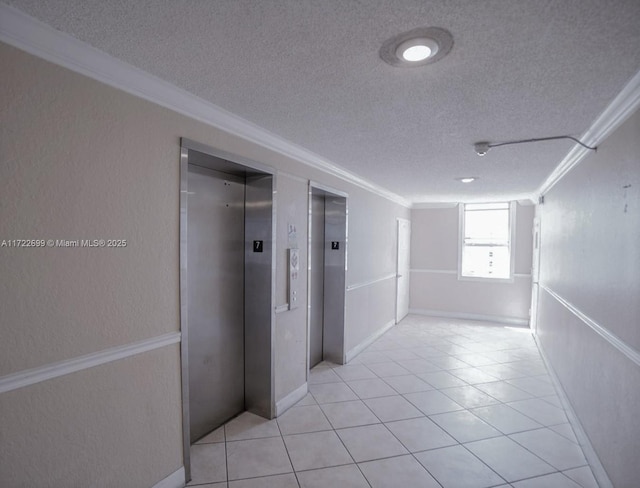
(512, 237)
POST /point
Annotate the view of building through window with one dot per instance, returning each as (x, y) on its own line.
(486, 249)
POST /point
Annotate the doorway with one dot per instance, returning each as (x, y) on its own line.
(327, 274)
(403, 269)
(215, 280)
(535, 276)
(316, 271)
(226, 290)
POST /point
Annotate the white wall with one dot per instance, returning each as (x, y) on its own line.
(435, 287)
(371, 264)
(81, 160)
(589, 306)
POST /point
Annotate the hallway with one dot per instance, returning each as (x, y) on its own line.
(434, 402)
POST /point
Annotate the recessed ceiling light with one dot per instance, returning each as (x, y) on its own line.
(468, 179)
(417, 47)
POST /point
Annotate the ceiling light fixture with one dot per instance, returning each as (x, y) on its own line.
(468, 179)
(482, 148)
(417, 47)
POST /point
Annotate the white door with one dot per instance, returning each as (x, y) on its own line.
(535, 273)
(402, 272)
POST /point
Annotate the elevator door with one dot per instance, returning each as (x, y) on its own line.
(316, 325)
(215, 296)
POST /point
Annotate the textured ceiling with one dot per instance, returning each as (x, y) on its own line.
(309, 71)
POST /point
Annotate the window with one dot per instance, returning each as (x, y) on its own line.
(485, 240)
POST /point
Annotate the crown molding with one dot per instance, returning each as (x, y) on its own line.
(525, 201)
(35, 37)
(433, 205)
(621, 108)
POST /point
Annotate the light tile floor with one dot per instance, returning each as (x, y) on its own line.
(432, 403)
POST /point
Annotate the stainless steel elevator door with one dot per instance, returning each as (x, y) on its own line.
(215, 296)
(316, 326)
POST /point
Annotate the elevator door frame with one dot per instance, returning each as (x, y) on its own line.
(336, 264)
(316, 279)
(259, 271)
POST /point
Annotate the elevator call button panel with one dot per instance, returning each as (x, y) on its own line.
(293, 281)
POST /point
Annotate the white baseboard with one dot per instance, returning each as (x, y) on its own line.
(174, 480)
(515, 321)
(291, 399)
(353, 352)
(589, 452)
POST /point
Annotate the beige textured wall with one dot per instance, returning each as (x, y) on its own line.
(371, 256)
(81, 160)
(84, 161)
(291, 330)
(435, 286)
(113, 425)
(369, 308)
(589, 257)
(446, 293)
(434, 239)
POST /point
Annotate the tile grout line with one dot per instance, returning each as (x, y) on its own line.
(547, 462)
(226, 458)
(499, 402)
(522, 355)
(340, 438)
(468, 409)
(286, 449)
(353, 459)
(381, 422)
(493, 470)
(409, 452)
